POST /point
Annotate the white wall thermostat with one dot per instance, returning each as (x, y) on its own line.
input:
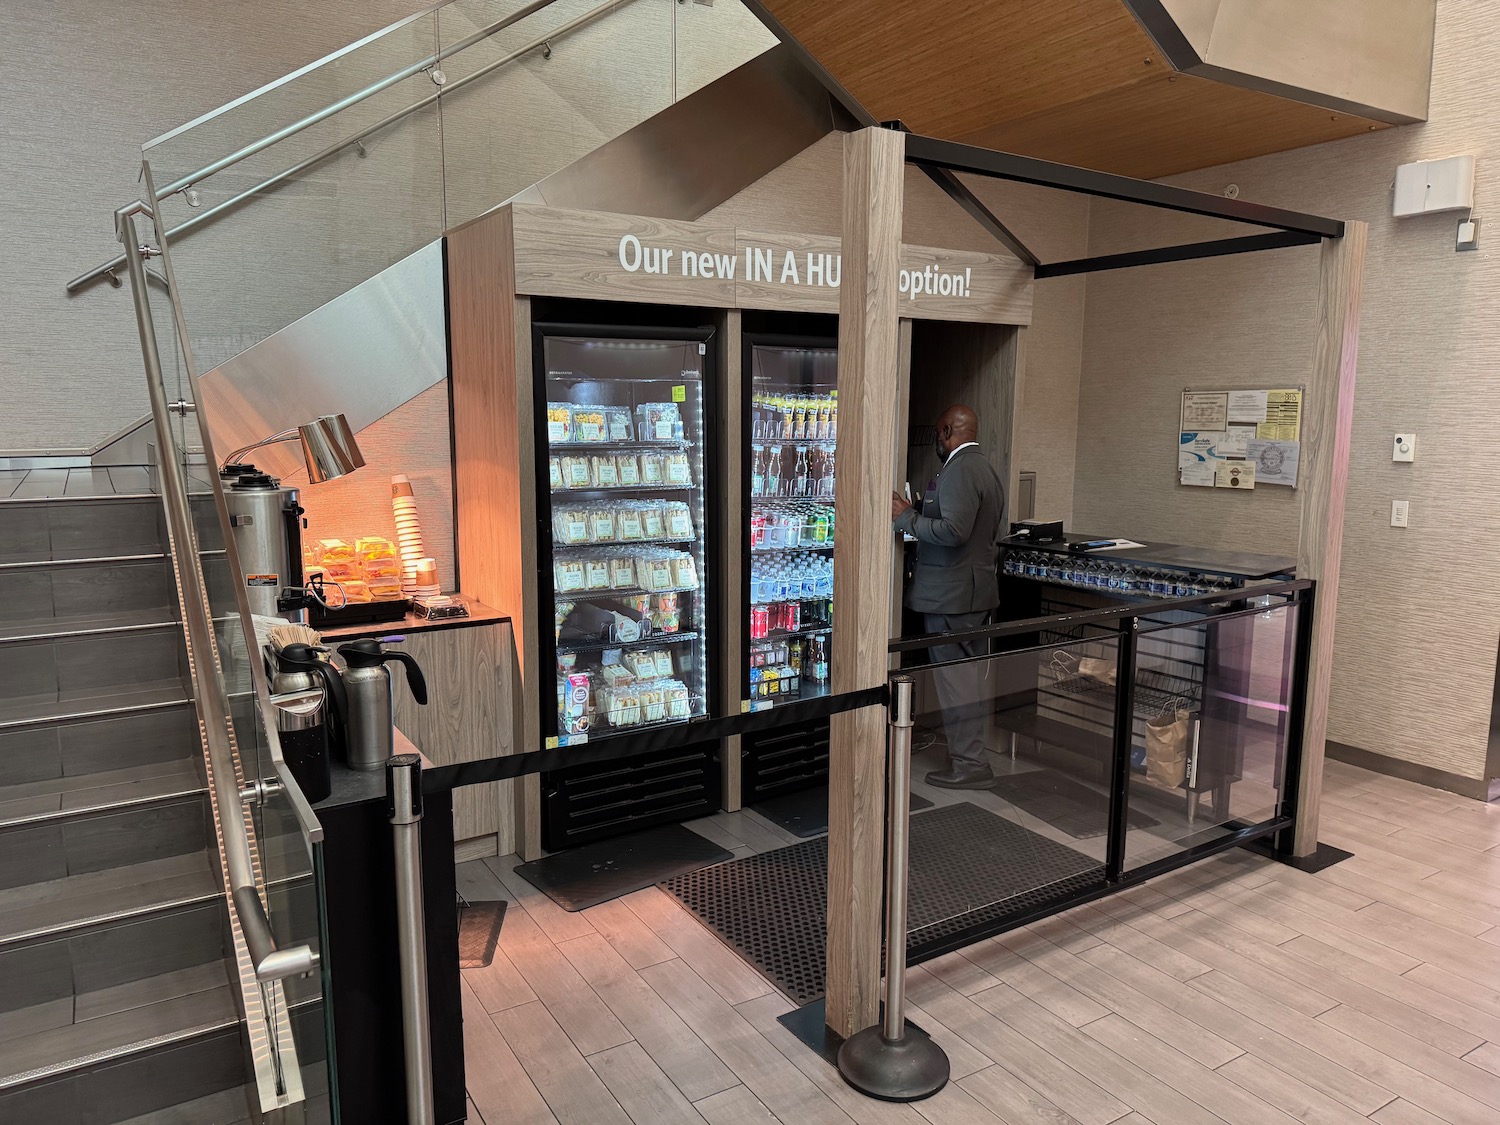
(1405, 448)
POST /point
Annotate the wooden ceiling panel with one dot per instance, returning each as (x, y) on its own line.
(1077, 81)
(949, 67)
(1169, 124)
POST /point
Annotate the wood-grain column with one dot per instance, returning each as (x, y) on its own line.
(1328, 420)
(869, 384)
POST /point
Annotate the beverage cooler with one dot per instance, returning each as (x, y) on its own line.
(625, 443)
(792, 434)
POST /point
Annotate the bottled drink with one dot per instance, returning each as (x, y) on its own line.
(820, 659)
(833, 420)
(825, 409)
(799, 419)
(799, 475)
(787, 417)
(773, 473)
(794, 657)
(757, 471)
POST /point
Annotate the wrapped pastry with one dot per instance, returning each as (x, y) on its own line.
(628, 525)
(570, 524)
(662, 658)
(568, 575)
(621, 572)
(575, 471)
(684, 573)
(595, 573)
(356, 592)
(676, 468)
(335, 551)
(628, 468)
(602, 524)
(554, 472)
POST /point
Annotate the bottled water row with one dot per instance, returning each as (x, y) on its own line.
(1113, 576)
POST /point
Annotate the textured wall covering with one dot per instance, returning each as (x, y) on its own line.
(1419, 609)
(87, 83)
(83, 85)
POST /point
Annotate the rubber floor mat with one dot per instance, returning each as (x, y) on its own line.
(479, 933)
(969, 867)
(1065, 804)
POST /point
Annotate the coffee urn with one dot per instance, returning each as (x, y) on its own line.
(266, 522)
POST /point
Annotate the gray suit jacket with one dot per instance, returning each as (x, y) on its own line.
(958, 531)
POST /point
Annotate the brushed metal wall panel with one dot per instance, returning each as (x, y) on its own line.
(362, 354)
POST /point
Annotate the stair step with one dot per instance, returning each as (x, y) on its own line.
(89, 624)
(59, 797)
(227, 1107)
(41, 910)
(42, 981)
(50, 752)
(99, 703)
(106, 1037)
(51, 529)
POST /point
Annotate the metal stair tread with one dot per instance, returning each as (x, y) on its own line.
(84, 624)
(85, 705)
(45, 909)
(91, 1042)
(92, 792)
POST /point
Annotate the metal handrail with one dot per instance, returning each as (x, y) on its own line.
(270, 961)
(109, 268)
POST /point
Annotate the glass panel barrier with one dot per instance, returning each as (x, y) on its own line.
(285, 1019)
(1212, 726)
(1028, 735)
(266, 240)
(532, 98)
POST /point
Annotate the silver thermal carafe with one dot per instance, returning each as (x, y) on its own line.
(372, 706)
(312, 732)
(266, 522)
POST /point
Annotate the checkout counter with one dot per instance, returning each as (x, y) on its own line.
(1186, 659)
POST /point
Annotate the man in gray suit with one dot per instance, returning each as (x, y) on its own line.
(955, 587)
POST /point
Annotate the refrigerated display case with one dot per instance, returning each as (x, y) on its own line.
(790, 450)
(792, 441)
(625, 446)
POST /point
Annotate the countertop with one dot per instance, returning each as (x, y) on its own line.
(479, 614)
(1245, 565)
(356, 787)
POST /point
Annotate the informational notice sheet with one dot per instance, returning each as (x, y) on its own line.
(1276, 461)
(1205, 410)
(1236, 441)
(1234, 474)
(1283, 421)
(1247, 407)
(1198, 448)
(1200, 475)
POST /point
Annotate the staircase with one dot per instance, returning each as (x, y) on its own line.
(117, 1003)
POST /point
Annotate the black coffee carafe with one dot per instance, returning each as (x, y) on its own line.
(313, 733)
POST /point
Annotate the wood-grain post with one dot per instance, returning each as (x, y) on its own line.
(869, 382)
(1327, 424)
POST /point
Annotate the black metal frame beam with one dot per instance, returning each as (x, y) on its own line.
(1216, 248)
(959, 157)
(960, 193)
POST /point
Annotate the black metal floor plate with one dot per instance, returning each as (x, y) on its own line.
(582, 877)
(968, 867)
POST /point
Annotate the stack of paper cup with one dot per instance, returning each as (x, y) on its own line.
(427, 585)
(409, 536)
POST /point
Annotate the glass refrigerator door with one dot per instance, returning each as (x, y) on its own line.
(794, 412)
(624, 423)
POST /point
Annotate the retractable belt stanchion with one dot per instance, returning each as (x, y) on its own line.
(403, 791)
(894, 1060)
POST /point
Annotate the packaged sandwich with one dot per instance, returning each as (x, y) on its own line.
(605, 471)
(559, 422)
(588, 423)
(628, 468)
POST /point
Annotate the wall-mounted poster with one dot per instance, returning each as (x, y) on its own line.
(1240, 438)
(1205, 410)
(1276, 461)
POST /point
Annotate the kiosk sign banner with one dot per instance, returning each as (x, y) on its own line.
(621, 257)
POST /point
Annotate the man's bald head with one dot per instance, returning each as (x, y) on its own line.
(956, 425)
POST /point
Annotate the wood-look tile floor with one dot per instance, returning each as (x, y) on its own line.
(1235, 991)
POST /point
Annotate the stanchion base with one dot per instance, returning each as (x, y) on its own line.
(908, 1070)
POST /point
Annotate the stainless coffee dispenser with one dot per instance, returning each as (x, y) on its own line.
(371, 732)
(266, 522)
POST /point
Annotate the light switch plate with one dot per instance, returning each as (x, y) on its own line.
(1400, 509)
(1404, 448)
